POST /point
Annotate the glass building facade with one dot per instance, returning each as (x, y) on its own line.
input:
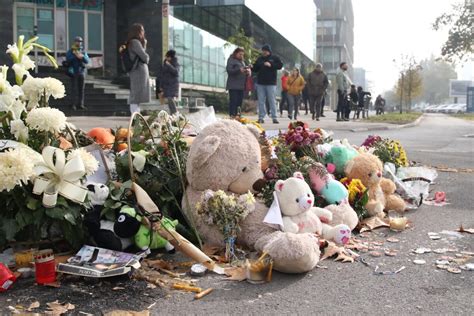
(203, 56)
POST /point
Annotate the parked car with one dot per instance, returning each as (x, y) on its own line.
(432, 108)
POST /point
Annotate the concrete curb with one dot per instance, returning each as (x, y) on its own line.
(386, 128)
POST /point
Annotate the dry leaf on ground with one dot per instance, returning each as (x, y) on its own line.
(33, 306)
(373, 223)
(344, 258)
(330, 251)
(56, 308)
(235, 273)
(160, 264)
(211, 250)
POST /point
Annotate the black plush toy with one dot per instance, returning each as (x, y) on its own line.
(101, 230)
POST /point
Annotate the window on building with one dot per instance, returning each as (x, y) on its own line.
(25, 22)
(45, 22)
(94, 34)
(76, 25)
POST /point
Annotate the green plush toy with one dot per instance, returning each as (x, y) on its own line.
(129, 225)
(340, 156)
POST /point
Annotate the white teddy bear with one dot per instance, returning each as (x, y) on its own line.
(295, 200)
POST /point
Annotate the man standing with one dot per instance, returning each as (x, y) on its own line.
(266, 68)
(343, 85)
(77, 59)
(284, 91)
(317, 84)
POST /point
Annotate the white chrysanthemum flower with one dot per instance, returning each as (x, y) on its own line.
(90, 163)
(54, 88)
(12, 105)
(19, 129)
(46, 119)
(35, 88)
(163, 117)
(16, 168)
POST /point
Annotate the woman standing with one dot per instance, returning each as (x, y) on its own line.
(170, 79)
(295, 85)
(237, 75)
(139, 77)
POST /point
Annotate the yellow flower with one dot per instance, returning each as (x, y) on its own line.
(355, 187)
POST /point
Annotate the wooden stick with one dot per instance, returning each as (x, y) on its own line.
(185, 287)
(203, 293)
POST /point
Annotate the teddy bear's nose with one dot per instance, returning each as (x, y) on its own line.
(310, 201)
(379, 174)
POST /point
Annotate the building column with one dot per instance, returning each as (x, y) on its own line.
(6, 30)
(110, 38)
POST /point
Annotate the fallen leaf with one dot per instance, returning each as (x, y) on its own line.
(442, 266)
(419, 261)
(344, 258)
(440, 250)
(467, 253)
(422, 250)
(461, 229)
(373, 223)
(330, 251)
(219, 259)
(55, 284)
(236, 274)
(393, 240)
(33, 306)
(375, 254)
(56, 308)
(127, 313)
(391, 253)
(454, 270)
(442, 262)
(160, 264)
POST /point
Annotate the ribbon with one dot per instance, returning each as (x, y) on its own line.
(56, 176)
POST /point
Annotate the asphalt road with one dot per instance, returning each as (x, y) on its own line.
(351, 288)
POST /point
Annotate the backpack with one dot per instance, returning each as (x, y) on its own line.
(67, 68)
(127, 63)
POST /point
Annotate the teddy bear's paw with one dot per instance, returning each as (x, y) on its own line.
(291, 253)
(342, 234)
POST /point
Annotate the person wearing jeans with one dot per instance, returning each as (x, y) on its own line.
(343, 86)
(266, 68)
(295, 85)
(77, 59)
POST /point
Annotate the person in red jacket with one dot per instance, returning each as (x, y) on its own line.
(284, 92)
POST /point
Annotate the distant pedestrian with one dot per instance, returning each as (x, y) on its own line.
(343, 86)
(266, 68)
(361, 101)
(237, 76)
(77, 59)
(305, 99)
(379, 105)
(295, 85)
(284, 91)
(353, 101)
(317, 84)
(170, 80)
(139, 77)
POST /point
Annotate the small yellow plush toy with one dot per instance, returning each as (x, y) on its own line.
(368, 168)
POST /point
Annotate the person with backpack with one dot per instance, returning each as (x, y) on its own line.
(169, 79)
(76, 61)
(136, 64)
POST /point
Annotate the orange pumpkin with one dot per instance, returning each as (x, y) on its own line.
(102, 136)
(122, 134)
(121, 146)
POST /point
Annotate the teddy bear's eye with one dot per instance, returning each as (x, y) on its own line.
(370, 174)
(308, 194)
(297, 200)
(244, 169)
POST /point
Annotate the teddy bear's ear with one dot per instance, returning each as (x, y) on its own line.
(206, 149)
(255, 132)
(279, 185)
(298, 175)
(349, 166)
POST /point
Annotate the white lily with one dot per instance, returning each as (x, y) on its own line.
(20, 72)
(13, 51)
(139, 159)
(12, 105)
(26, 62)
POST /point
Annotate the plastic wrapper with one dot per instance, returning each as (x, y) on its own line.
(202, 118)
(412, 183)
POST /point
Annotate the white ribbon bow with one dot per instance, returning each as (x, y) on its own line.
(55, 176)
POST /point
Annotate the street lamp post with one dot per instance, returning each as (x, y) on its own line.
(401, 91)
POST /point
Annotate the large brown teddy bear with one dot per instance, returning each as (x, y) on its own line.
(226, 156)
(368, 169)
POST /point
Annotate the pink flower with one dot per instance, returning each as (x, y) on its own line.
(299, 129)
(298, 138)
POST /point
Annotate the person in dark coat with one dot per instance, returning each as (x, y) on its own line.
(77, 59)
(266, 67)
(237, 73)
(317, 84)
(361, 100)
(139, 77)
(169, 79)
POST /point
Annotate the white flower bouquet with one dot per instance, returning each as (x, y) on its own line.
(42, 191)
